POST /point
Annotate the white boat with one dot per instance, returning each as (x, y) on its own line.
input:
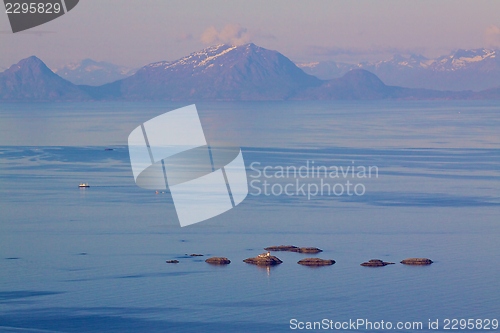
(83, 185)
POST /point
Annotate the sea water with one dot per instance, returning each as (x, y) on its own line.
(93, 260)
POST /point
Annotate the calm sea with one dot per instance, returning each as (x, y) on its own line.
(93, 260)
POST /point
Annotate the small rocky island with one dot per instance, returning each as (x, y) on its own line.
(218, 261)
(316, 262)
(172, 261)
(417, 261)
(291, 248)
(376, 263)
(265, 259)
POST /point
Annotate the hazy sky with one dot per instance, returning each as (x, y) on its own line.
(134, 33)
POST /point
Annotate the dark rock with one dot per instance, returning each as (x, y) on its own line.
(308, 250)
(376, 263)
(417, 261)
(172, 261)
(218, 261)
(291, 248)
(316, 262)
(264, 260)
(196, 255)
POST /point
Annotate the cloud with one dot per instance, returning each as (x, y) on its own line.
(231, 34)
(492, 36)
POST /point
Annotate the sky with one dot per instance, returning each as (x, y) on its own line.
(135, 33)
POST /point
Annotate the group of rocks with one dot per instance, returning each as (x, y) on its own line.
(177, 261)
(411, 261)
(266, 259)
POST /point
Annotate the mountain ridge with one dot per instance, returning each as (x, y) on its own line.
(93, 73)
(220, 72)
(462, 69)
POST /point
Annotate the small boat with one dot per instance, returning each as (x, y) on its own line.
(83, 185)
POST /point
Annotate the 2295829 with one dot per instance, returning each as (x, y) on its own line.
(32, 8)
(471, 324)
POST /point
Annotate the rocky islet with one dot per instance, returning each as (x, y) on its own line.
(292, 248)
(218, 261)
(376, 263)
(316, 262)
(417, 261)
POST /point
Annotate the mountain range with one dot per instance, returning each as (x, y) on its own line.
(476, 69)
(221, 72)
(93, 73)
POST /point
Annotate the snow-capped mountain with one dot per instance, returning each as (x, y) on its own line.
(221, 72)
(92, 72)
(476, 69)
(480, 59)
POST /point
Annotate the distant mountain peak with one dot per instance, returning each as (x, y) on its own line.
(31, 80)
(33, 59)
(219, 72)
(91, 72)
(30, 63)
(466, 59)
(418, 57)
(361, 75)
(204, 58)
(472, 53)
(398, 57)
